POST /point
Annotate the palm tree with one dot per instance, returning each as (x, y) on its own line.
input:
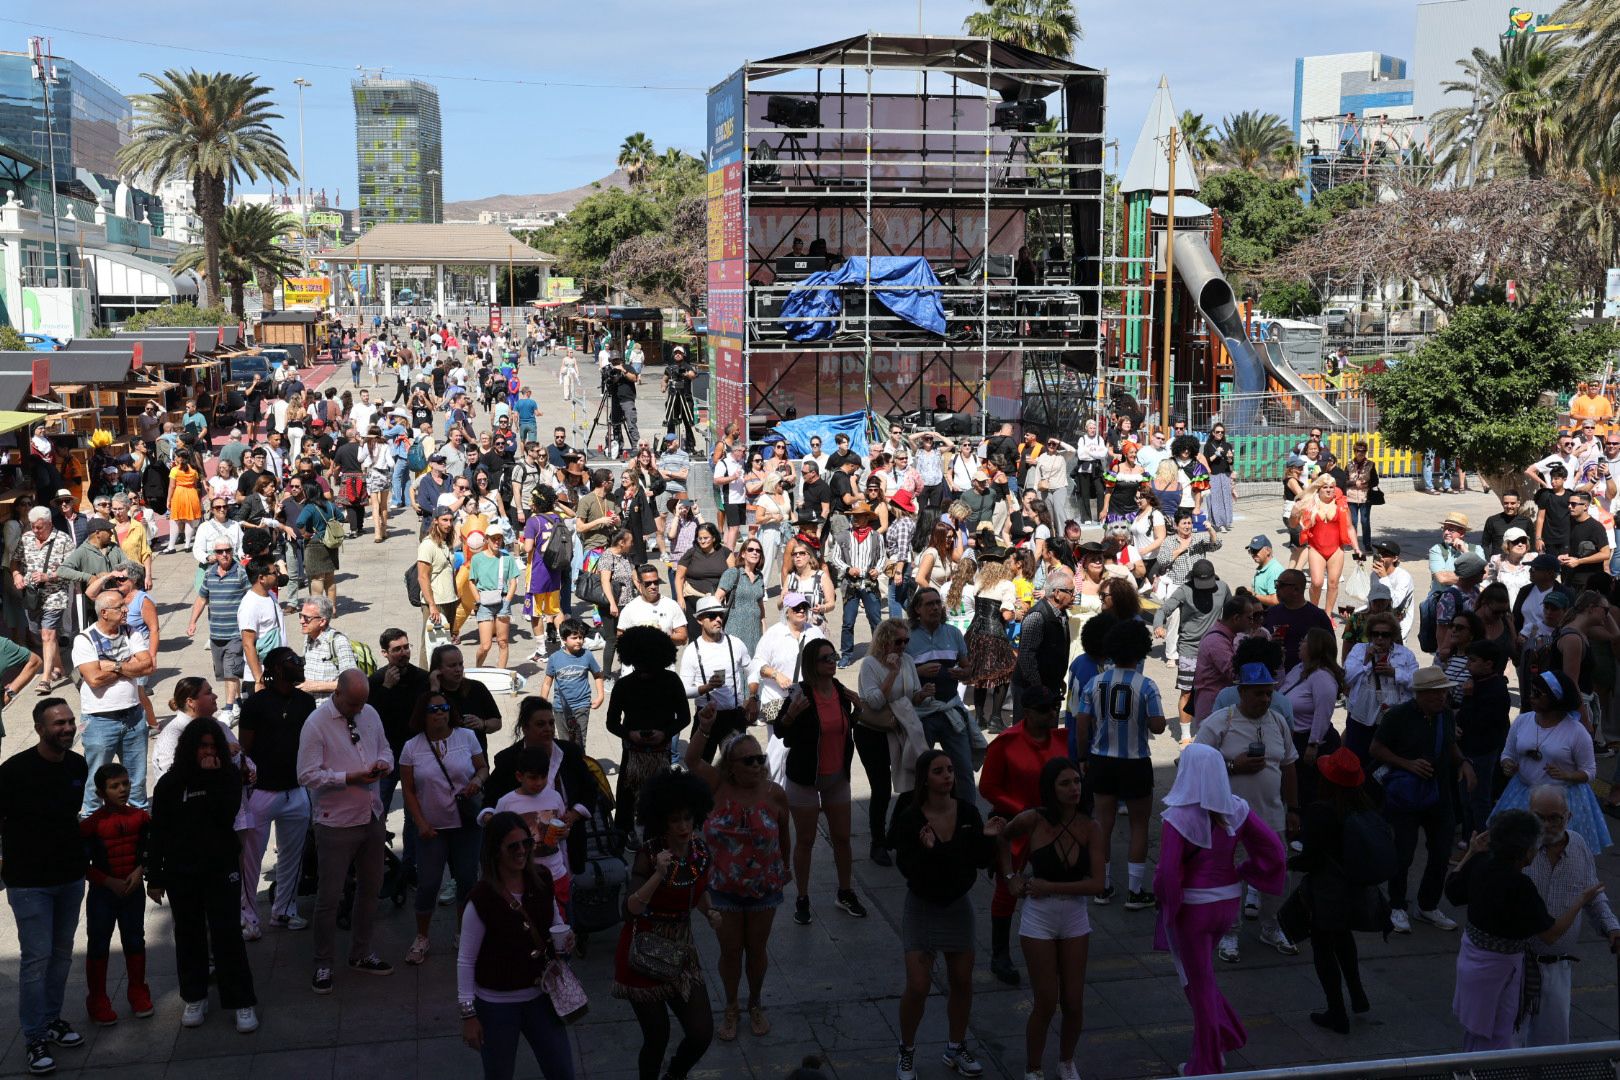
(212, 129)
(1518, 111)
(1597, 183)
(1591, 57)
(1250, 140)
(1043, 26)
(1198, 137)
(636, 157)
(249, 247)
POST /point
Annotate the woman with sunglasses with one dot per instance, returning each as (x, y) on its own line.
(510, 935)
(809, 577)
(818, 726)
(1548, 744)
(1378, 676)
(742, 591)
(1220, 455)
(747, 835)
(699, 571)
(668, 881)
(442, 773)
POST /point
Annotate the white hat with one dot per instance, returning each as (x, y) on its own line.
(706, 605)
(1513, 534)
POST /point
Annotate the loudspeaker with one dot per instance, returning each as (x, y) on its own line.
(791, 112)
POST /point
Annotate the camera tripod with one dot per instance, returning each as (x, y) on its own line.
(678, 413)
(617, 436)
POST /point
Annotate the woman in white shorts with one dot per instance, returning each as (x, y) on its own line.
(1064, 866)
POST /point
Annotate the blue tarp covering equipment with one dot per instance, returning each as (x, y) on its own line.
(799, 432)
(809, 312)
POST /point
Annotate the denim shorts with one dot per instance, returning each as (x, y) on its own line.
(491, 612)
(731, 902)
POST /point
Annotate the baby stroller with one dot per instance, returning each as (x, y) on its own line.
(598, 889)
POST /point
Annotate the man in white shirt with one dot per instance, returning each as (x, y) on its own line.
(650, 607)
(1387, 568)
(342, 754)
(716, 669)
(218, 526)
(113, 723)
(1567, 454)
(777, 669)
(730, 475)
(259, 620)
(362, 412)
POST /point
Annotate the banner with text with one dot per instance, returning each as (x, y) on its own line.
(310, 290)
(725, 253)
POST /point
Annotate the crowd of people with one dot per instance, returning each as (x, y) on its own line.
(1004, 712)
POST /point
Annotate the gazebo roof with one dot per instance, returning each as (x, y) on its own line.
(398, 243)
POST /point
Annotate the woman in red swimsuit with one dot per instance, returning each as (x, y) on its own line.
(1322, 516)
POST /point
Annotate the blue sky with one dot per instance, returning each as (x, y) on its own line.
(509, 138)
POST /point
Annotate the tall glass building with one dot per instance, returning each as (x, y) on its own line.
(91, 118)
(398, 149)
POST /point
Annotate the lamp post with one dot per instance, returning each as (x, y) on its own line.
(432, 216)
(303, 194)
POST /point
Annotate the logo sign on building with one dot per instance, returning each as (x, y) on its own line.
(1525, 21)
(495, 317)
(563, 288)
(325, 219)
(1611, 293)
(306, 290)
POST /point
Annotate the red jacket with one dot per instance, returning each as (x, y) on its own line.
(1011, 778)
(115, 841)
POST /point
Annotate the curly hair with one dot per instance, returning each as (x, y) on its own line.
(667, 793)
(1184, 446)
(185, 751)
(646, 648)
(964, 573)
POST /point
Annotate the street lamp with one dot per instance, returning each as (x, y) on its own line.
(432, 216)
(303, 194)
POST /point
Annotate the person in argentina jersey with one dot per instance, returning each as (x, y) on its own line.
(1119, 711)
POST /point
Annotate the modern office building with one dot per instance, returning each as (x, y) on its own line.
(1332, 92)
(91, 119)
(398, 151)
(1450, 30)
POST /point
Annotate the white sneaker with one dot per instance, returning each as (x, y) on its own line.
(1251, 904)
(1273, 935)
(1227, 950)
(1034, 1074)
(1067, 1070)
(595, 642)
(252, 932)
(418, 950)
(447, 892)
(247, 1020)
(1437, 919)
(1398, 920)
(194, 1014)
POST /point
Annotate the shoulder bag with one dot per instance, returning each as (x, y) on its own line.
(34, 595)
(656, 957)
(493, 597)
(557, 981)
(466, 808)
(1409, 793)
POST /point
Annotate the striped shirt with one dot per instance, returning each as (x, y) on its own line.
(1116, 706)
(224, 594)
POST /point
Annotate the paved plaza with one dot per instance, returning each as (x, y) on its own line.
(833, 986)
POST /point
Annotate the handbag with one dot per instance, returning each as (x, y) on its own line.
(589, 587)
(558, 981)
(1409, 793)
(657, 957)
(493, 597)
(466, 809)
(34, 595)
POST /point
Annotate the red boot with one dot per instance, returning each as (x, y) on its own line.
(140, 996)
(95, 1002)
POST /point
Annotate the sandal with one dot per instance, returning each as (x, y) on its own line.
(757, 1023)
(728, 1025)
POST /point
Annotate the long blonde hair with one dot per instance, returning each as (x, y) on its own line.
(959, 578)
(1317, 510)
(1167, 472)
(993, 573)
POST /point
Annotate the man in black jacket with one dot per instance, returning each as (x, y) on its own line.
(1043, 642)
(396, 687)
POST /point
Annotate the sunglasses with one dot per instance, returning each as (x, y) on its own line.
(440, 707)
(526, 844)
(308, 618)
(354, 732)
(712, 615)
(651, 583)
(222, 551)
(755, 760)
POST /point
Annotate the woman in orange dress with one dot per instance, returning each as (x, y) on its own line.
(1322, 516)
(185, 502)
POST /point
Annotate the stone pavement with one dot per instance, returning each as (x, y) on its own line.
(833, 986)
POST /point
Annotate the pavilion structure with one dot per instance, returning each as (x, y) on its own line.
(390, 245)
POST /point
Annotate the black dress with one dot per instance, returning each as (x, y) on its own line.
(990, 656)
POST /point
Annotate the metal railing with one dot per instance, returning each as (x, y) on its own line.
(1574, 1061)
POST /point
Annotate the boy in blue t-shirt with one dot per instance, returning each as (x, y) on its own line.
(1118, 713)
(576, 677)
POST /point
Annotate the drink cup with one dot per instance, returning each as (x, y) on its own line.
(561, 938)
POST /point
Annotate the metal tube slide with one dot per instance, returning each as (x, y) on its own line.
(1210, 292)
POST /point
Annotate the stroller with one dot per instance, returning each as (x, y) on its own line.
(598, 893)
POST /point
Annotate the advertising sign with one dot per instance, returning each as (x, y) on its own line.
(562, 288)
(495, 316)
(306, 290)
(1611, 293)
(325, 219)
(727, 138)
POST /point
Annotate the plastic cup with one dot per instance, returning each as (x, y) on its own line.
(560, 934)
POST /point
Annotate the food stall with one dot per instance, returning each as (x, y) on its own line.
(302, 333)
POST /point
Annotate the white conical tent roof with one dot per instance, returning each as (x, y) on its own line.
(1149, 167)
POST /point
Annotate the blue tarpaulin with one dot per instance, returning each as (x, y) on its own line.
(912, 294)
(798, 432)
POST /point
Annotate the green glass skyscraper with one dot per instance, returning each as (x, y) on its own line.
(398, 150)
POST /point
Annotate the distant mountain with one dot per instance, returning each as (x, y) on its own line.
(555, 202)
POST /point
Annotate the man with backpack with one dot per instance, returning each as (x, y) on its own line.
(328, 652)
(546, 532)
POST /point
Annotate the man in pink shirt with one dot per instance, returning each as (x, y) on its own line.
(342, 754)
(1213, 672)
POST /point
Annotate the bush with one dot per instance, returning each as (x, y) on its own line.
(11, 339)
(181, 315)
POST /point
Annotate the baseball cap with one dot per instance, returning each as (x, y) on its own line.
(1469, 565)
(1203, 575)
(1388, 547)
(1255, 675)
(436, 459)
(670, 436)
(1515, 534)
(99, 525)
(1379, 591)
(1558, 598)
(1260, 542)
(1545, 562)
(793, 600)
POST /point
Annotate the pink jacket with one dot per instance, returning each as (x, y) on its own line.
(1184, 866)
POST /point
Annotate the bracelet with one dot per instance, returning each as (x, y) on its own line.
(467, 1009)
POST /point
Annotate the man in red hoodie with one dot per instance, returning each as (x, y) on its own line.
(1011, 783)
(115, 837)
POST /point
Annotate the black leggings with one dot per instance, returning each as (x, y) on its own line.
(1334, 954)
(873, 748)
(996, 696)
(697, 1031)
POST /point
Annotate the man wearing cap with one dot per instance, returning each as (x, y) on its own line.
(1529, 607)
(1512, 516)
(1199, 602)
(1463, 596)
(93, 564)
(1258, 745)
(777, 668)
(430, 488)
(856, 558)
(1589, 548)
(1417, 748)
(679, 376)
(717, 671)
(1267, 568)
(980, 501)
(1552, 512)
(67, 517)
(1387, 569)
(1453, 543)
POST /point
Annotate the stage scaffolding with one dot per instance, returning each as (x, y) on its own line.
(890, 146)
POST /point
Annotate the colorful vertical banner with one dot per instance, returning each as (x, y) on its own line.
(728, 388)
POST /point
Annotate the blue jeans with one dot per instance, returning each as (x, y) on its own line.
(535, 1021)
(104, 910)
(1433, 463)
(401, 483)
(1361, 518)
(853, 603)
(457, 848)
(900, 593)
(47, 919)
(958, 745)
(121, 734)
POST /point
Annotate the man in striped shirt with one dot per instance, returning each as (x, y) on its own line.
(1119, 711)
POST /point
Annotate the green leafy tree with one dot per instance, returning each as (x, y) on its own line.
(11, 339)
(1294, 299)
(1517, 111)
(636, 157)
(1476, 388)
(213, 130)
(583, 241)
(1044, 26)
(187, 314)
(1250, 139)
(670, 263)
(1198, 135)
(249, 249)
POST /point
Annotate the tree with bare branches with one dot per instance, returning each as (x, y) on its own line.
(669, 263)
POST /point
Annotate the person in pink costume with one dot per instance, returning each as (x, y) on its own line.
(1199, 885)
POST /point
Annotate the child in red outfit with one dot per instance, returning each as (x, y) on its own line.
(115, 839)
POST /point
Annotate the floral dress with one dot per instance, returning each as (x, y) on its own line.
(746, 844)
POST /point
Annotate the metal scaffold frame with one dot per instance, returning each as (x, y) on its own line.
(911, 162)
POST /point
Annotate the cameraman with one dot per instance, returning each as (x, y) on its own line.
(678, 379)
(621, 383)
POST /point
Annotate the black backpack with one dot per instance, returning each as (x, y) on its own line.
(559, 549)
(413, 586)
(1369, 848)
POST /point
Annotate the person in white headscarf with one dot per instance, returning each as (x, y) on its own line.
(1199, 887)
